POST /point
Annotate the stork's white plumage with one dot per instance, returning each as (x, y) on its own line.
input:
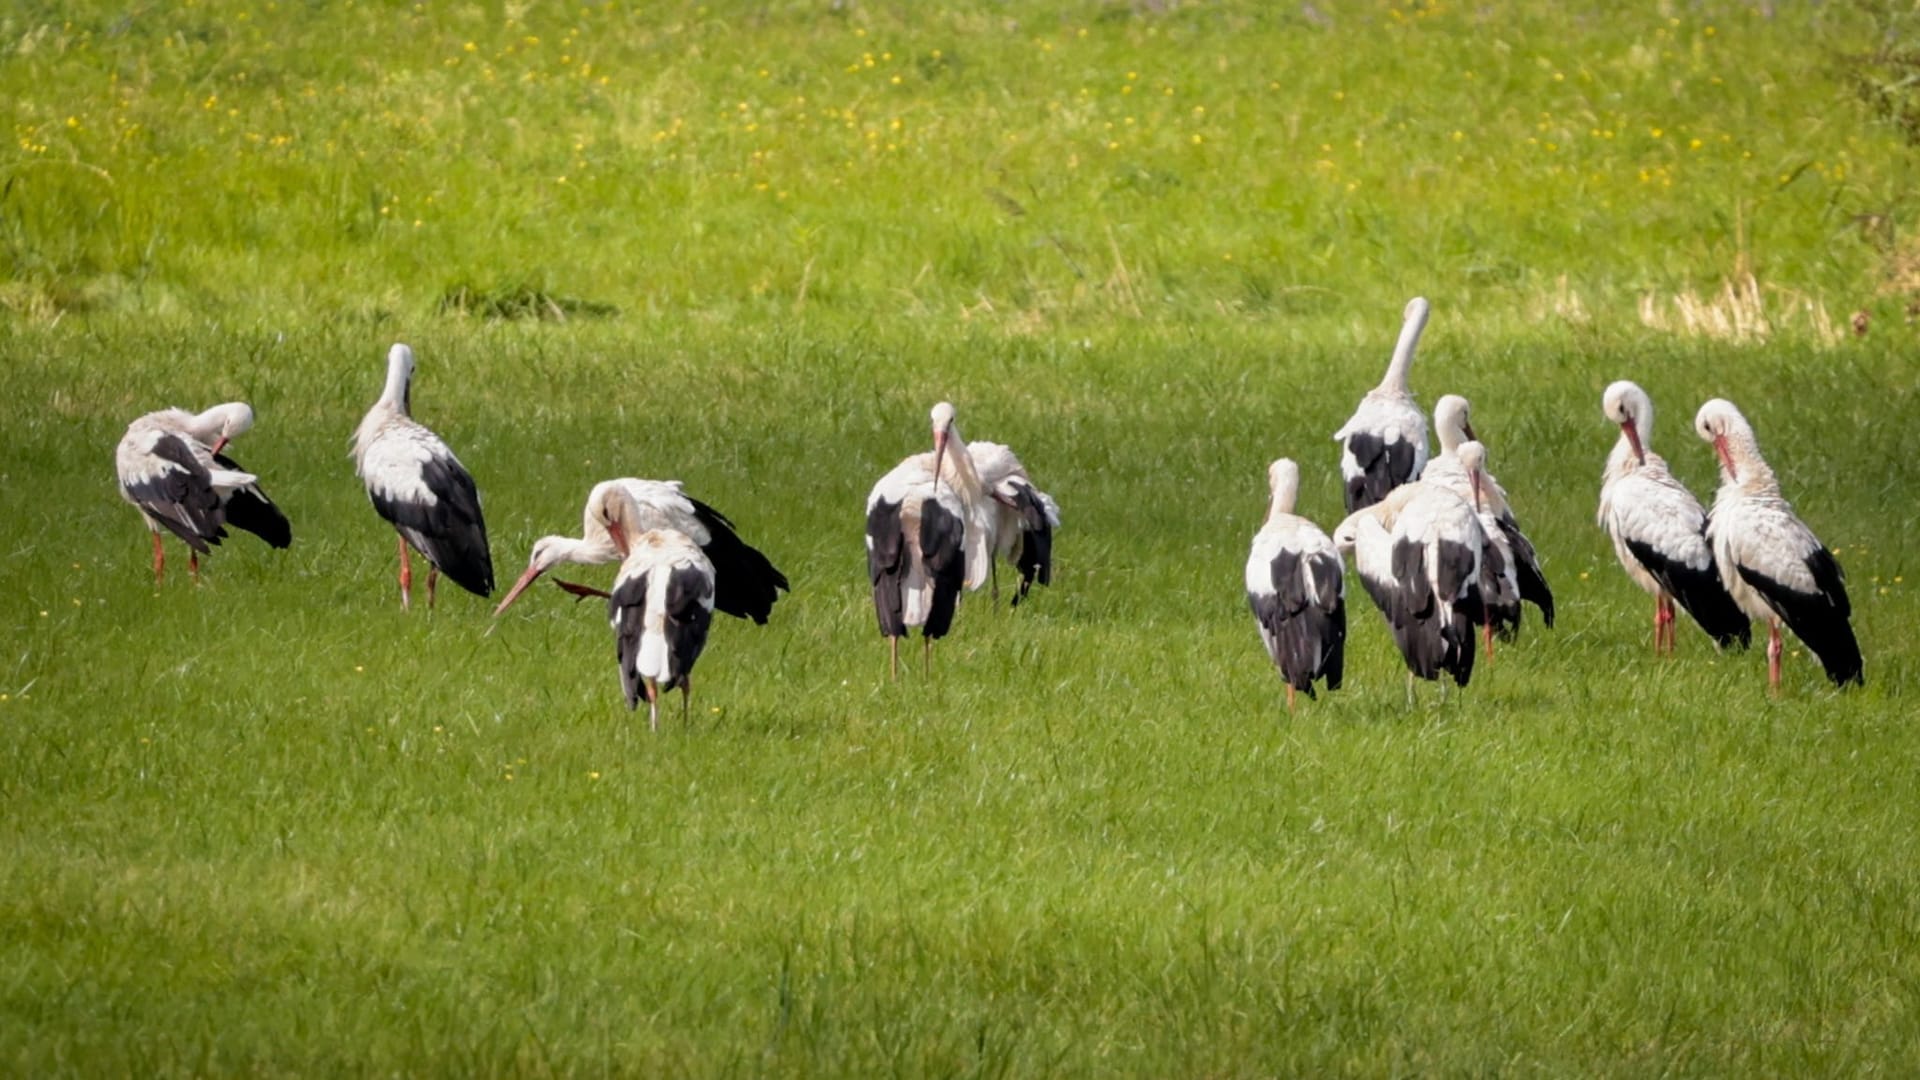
(172, 470)
(1024, 517)
(746, 583)
(1772, 564)
(1384, 443)
(1418, 554)
(1296, 587)
(1659, 530)
(927, 542)
(418, 486)
(661, 606)
(1453, 427)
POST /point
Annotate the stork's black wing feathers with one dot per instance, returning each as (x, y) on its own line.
(249, 508)
(450, 532)
(943, 548)
(1700, 592)
(745, 582)
(1821, 618)
(182, 499)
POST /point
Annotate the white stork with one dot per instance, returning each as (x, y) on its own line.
(1024, 517)
(661, 606)
(1296, 586)
(1659, 530)
(172, 470)
(746, 583)
(925, 543)
(418, 486)
(1770, 562)
(1418, 553)
(1499, 584)
(1384, 442)
(1453, 427)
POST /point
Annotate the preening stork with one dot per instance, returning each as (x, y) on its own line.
(1769, 560)
(1296, 586)
(661, 606)
(746, 583)
(1418, 554)
(172, 470)
(1453, 427)
(1384, 443)
(1024, 517)
(1659, 530)
(418, 486)
(926, 542)
(1499, 583)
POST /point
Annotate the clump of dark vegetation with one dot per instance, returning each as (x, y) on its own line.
(520, 301)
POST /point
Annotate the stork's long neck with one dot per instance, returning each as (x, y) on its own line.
(590, 550)
(1395, 380)
(1285, 494)
(957, 469)
(1751, 471)
(399, 389)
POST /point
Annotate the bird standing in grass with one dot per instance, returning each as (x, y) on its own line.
(172, 470)
(1510, 548)
(1296, 587)
(1024, 518)
(746, 583)
(1770, 561)
(1418, 553)
(926, 543)
(661, 607)
(1659, 530)
(419, 487)
(1384, 443)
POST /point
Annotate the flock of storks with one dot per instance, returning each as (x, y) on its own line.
(1435, 542)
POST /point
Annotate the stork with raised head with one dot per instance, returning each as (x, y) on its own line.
(1772, 564)
(419, 487)
(1659, 530)
(1296, 586)
(172, 470)
(746, 583)
(1384, 443)
(927, 543)
(1418, 552)
(1453, 427)
(661, 606)
(1024, 517)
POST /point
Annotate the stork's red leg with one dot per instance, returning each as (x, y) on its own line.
(406, 577)
(1667, 623)
(893, 657)
(1773, 656)
(433, 578)
(1488, 627)
(1289, 697)
(159, 559)
(653, 704)
(193, 565)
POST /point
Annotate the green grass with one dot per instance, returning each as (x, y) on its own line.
(274, 825)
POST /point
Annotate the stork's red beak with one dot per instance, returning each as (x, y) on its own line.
(1632, 433)
(1726, 455)
(939, 455)
(221, 444)
(526, 579)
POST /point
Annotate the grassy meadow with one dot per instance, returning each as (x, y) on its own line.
(274, 825)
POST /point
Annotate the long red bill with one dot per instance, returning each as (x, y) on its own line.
(519, 587)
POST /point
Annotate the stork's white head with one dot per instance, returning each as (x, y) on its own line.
(1473, 458)
(1346, 535)
(1721, 424)
(1453, 421)
(222, 424)
(1283, 480)
(1626, 404)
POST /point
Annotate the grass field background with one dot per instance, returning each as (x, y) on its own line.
(274, 825)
